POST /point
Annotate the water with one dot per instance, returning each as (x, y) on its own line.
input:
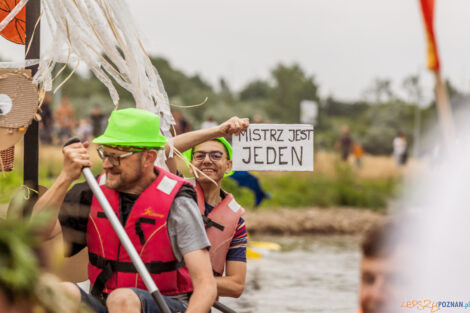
(310, 274)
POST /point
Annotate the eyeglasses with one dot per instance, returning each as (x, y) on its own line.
(213, 155)
(115, 160)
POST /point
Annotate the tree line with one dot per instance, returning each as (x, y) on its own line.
(374, 120)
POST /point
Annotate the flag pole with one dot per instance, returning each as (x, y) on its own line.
(31, 138)
(444, 109)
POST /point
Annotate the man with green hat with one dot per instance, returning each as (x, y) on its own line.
(157, 209)
(210, 156)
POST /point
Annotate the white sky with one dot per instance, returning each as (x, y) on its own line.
(344, 43)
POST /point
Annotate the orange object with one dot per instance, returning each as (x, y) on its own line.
(358, 151)
(15, 31)
(427, 8)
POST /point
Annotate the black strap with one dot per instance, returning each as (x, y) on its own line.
(138, 227)
(101, 279)
(210, 223)
(111, 266)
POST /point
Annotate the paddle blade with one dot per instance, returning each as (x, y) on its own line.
(266, 245)
(251, 254)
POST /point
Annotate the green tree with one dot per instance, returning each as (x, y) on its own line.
(291, 86)
(257, 89)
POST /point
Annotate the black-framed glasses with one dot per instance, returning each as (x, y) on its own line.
(115, 160)
(213, 155)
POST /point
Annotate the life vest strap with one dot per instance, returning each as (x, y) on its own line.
(108, 267)
(210, 223)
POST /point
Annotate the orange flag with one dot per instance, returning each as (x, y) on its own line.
(15, 30)
(427, 8)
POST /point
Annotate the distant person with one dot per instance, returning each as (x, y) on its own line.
(257, 119)
(84, 130)
(383, 248)
(345, 143)
(358, 152)
(182, 125)
(64, 117)
(400, 152)
(47, 122)
(209, 122)
(97, 118)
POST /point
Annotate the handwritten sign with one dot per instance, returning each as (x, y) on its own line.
(274, 147)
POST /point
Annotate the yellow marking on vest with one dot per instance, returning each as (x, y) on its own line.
(101, 241)
(150, 237)
(99, 235)
(148, 211)
(219, 246)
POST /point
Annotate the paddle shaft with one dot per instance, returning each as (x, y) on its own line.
(222, 307)
(121, 233)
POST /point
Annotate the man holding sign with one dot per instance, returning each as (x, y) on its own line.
(211, 157)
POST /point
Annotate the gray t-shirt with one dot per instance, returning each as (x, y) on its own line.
(186, 228)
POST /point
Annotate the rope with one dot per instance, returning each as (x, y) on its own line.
(190, 106)
(34, 32)
(3, 167)
(28, 191)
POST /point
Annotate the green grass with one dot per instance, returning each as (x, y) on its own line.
(301, 190)
(288, 189)
(48, 172)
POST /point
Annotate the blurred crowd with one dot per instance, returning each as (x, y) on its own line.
(347, 146)
(60, 123)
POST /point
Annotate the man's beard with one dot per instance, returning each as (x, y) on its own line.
(122, 182)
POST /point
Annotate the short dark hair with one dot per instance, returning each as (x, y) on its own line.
(382, 239)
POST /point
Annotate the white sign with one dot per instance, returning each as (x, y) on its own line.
(274, 147)
(308, 112)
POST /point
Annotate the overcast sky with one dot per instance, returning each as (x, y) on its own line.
(345, 44)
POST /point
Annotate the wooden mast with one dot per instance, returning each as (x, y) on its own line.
(31, 138)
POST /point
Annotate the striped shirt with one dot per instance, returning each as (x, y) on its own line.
(237, 249)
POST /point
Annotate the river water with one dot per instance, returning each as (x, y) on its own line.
(309, 274)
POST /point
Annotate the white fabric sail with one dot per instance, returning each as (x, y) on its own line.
(103, 35)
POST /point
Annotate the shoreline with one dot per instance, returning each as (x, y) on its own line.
(297, 221)
(342, 221)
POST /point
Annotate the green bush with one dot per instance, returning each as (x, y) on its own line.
(288, 189)
(301, 190)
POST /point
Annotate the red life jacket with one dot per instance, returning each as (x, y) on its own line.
(221, 224)
(110, 266)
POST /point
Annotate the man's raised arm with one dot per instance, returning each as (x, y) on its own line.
(188, 140)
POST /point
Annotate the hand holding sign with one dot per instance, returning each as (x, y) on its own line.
(274, 147)
(233, 126)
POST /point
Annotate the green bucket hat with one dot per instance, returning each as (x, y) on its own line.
(134, 128)
(188, 154)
